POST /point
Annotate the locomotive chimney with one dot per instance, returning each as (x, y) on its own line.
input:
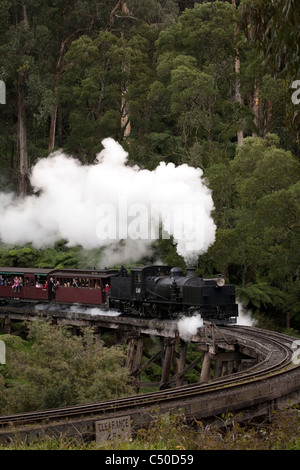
(190, 271)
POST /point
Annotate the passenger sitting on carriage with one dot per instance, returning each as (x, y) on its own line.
(15, 284)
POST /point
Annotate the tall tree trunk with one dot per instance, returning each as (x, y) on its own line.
(287, 320)
(267, 117)
(238, 96)
(22, 142)
(24, 15)
(53, 124)
(125, 117)
(237, 65)
(256, 108)
(21, 128)
(52, 128)
(58, 71)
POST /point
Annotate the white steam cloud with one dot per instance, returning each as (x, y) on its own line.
(245, 318)
(78, 309)
(98, 205)
(188, 326)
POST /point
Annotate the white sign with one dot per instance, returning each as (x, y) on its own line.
(111, 428)
(2, 92)
(2, 352)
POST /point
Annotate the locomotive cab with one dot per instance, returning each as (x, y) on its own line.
(130, 293)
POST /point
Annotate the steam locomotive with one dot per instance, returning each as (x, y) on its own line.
(163, 292)
(149, 291)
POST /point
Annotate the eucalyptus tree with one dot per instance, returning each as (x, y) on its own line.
(29, 33)
(274, 27)
(114, 71)
(35, 37)
(196, 73)
(18, 63)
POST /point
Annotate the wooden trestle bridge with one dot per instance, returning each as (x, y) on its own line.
(217, 355)
(240, 369)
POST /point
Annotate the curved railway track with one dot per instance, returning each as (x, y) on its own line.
(274, 377)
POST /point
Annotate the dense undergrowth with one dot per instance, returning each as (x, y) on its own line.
(171, 432)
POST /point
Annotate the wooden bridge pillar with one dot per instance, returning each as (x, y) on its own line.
(167, 359)
(6, 325)
(218, 369)
(227, 368)
(134, 353)
(130, 353)
(134, 359)
(205, 371)
(180, 363)
(138, 360)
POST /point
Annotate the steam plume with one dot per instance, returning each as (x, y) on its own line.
(188, 326)
(98, 205)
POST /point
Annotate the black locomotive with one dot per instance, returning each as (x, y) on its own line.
(164, 292)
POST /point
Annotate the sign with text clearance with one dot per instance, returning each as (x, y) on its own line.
(111, 428)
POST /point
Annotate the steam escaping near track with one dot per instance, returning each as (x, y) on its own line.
(245, 317)
(79, 309)
(94, 311)
(102, 204)
(188, 326)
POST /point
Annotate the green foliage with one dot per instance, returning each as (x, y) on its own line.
(257, 212)
(259, 296)
(59, 256)
(56, 369)
(274, 26)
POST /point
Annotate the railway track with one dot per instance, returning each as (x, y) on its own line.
(276, 374)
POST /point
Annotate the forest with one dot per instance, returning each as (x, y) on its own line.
(211, 84)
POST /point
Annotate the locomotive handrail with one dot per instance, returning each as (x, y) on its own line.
(148, 291)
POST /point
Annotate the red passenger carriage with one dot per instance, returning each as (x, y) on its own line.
(32, 283)
(50, 285)
(85, 287)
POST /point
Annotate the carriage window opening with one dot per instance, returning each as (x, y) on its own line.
(40, 281)
(7, 280)
(83, 283)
